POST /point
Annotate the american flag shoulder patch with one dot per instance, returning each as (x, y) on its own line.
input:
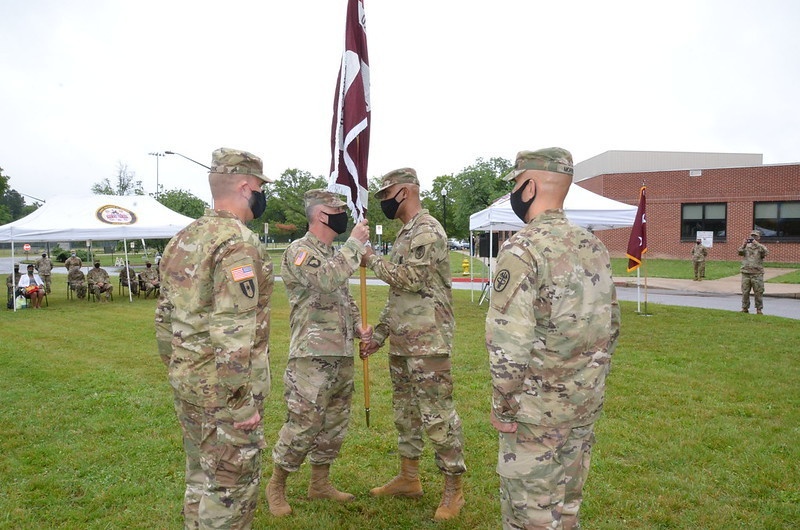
(245, 272)
(301, 257)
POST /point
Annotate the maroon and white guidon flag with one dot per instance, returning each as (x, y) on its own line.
(351, 116)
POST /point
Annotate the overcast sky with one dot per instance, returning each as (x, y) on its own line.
(87, 84)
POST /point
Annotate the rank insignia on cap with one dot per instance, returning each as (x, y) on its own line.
(245, 272)
(301, 257)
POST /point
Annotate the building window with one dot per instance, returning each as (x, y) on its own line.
(712, 217)
(778, 220)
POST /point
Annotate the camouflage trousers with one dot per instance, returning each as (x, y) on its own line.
(101, 292)
(756, 283)
(699, 270)
(222, 475)
(79, 288)
(542, 472)
(423, 403)
(47, 282)
(133, 286)
(318, 392)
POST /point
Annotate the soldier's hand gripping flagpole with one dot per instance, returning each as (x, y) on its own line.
(350, 137)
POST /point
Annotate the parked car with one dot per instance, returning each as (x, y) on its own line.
(458, 244)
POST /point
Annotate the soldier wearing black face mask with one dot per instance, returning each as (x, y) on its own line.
(418, 321)
(325, 322)
(551, 329)
(219, 366)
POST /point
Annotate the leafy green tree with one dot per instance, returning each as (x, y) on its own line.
(12, 203)
(124, 183)
(434, 202)
(285, 203)
(183, 202)
(5, 214)
(472, 190)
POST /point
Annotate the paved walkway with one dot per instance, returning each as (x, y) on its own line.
(729, 285)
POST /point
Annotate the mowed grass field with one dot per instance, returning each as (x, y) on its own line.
(700, 430)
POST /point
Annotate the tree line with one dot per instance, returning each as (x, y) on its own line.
(473, 188)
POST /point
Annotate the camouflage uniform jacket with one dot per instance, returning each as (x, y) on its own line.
(418, 316)
(753, 261)
(98, 275)
(323, 315)
(699, 253)
(149, 274)
(44, 266)
(75, 275)
(73, 261)
(127, 274)
(552, 324)
(212, 317)
(13, 279)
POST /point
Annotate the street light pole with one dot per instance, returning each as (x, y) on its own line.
(157, 155)
(187, 158)
(444, 209)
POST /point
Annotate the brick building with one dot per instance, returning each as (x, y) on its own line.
(728, 201)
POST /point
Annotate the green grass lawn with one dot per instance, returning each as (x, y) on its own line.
(700, 428)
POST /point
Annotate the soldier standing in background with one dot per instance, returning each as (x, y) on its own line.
(44, 267)
(418, 321)
(77, 282)
(212, 328)
(699, 253)
(752, 270)
(73, 261)
(325, 321)
(552, 325)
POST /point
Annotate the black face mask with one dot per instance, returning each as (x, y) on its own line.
(390, 206)
(258, 203)
(337, 222)
(519, 206)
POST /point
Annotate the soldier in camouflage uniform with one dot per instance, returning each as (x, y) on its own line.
(11, 284)
(699, 253)
(551, 328)
(149, 278)
(212, 327)
(319, 374)
(99, 283)
(127, 278)
(73, 261)
(418, 321)
(77, 282)
(752, 270)
(44, 267)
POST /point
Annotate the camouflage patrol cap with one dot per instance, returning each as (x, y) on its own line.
(16, 266)
(554, 159)
(756, 234)
(323, 197)
(404, 175)
(234, 161)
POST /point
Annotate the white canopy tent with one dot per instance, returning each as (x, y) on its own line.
(96, 218)
(582, 207)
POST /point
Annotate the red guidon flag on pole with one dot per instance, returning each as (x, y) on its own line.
(637, 244)
(351, 116)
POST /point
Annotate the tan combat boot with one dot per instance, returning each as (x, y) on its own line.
(320, 486)
(406, 484)
(452, 498)
(276, 492)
